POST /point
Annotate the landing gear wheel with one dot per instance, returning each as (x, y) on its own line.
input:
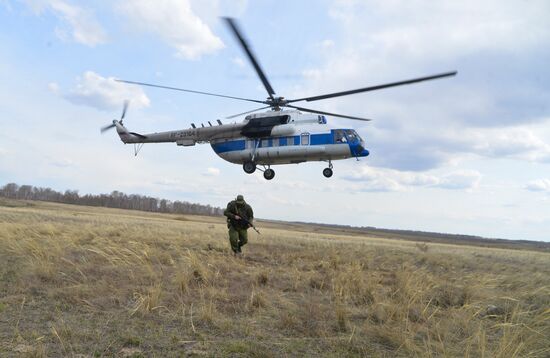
(269, 174)
(327, 172)
(249, 167)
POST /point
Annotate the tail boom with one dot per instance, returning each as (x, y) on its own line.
(185, 137)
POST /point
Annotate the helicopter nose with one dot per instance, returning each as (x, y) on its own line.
(359, 151)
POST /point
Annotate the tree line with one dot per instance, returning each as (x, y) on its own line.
(116, 199)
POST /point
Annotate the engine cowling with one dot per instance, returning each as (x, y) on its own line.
(262, 126)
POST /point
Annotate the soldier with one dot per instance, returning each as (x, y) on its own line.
(239, 219)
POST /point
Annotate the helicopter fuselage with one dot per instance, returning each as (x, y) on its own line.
(310, 142)
(265, 139)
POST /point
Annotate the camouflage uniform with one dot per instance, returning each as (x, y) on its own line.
(238, 236)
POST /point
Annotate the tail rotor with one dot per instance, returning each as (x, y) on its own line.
(113, 125)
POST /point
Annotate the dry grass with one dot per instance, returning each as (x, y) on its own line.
(78, 281)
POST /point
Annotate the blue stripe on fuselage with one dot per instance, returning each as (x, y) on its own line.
(229, 146)
(320, 139)
(240, 144)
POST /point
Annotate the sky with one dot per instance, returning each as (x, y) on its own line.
(468, 154)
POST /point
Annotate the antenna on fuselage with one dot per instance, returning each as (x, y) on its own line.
(219, 122)
(193, 125)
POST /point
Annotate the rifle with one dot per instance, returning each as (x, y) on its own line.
(247, 222)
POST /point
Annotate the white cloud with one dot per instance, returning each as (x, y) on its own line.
(380, 179)
(175, 22)
(541, 185)
(238, 61)
(169, 182)
(460, 180)
(77, 24)
(6, 4)
(515, 142)
(54, 87)
(105, 93)
(279, 200)
(326, 44)
(445, 28)
(62, 163)
(211, 172)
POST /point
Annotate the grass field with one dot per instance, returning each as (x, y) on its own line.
(93, 282)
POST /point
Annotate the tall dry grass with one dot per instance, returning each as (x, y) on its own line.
(104, 282)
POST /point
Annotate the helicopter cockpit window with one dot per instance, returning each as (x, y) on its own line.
(339, 136)
(322, 119)
(351, 135)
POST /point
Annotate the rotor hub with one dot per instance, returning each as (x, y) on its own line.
(276, 102)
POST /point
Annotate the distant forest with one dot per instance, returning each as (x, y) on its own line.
(116, 199)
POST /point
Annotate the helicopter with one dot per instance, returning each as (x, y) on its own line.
(284, 134)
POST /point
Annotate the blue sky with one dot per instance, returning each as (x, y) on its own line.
(468, 155)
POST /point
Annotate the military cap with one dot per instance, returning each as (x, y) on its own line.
(240, 199)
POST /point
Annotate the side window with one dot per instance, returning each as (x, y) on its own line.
(305, 138)
(276, 142)
(290, 141)
(265, 143)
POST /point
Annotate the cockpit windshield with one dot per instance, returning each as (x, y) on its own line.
(352, 135)
(346, 136)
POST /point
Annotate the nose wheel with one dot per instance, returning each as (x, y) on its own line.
(327, 172)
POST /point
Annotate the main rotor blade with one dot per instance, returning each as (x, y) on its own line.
(234, 27)
(327, 113)
(124, 108)
(188, 90)
(106, 128)
(372, 88)
(240, 114)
